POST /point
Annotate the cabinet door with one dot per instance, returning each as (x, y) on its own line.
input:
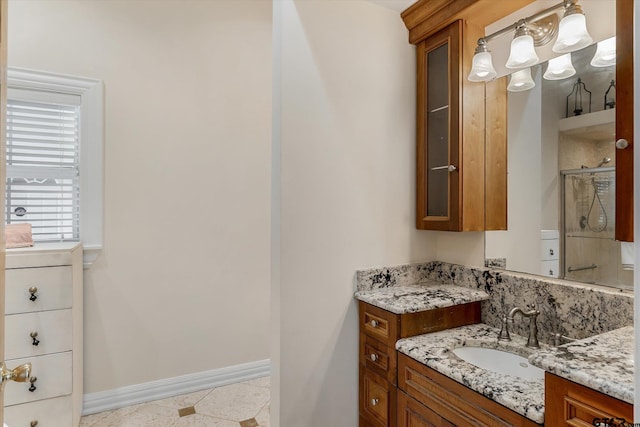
(568, 404)
(413, 414)
(624, 120)
(438, 130)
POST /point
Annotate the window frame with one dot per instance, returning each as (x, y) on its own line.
(91, 92)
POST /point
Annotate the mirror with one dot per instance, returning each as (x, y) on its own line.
(561, 182)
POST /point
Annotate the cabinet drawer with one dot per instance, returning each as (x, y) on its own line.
(550, 268)
(378, 357)
(549, 249)
(377, 399)
(54, 378)
(53, 331)
(379, 324)
(56, 412)
(53, 284)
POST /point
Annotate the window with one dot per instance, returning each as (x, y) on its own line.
(54, 150)
(43, 165)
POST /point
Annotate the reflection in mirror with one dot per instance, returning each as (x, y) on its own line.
(561, 165)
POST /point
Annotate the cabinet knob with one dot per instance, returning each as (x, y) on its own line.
(550, 272)
(32, 291)
(373, 357)
(374, 323)
(622, 143)
(550, 251)
(33, 387)
(374, 402)
(34, 423)
(34, 336)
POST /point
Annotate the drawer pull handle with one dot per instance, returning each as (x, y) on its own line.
(374, 402)
(32, 291)
(33, 387)
(374, 357)
(374, 323)
(34, 336)
(34, 423)
(550, 251)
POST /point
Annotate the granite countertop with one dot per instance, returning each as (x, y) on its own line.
(420, 297)
(524, 396)
(603, 362)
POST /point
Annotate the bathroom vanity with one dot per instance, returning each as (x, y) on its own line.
(417, 377)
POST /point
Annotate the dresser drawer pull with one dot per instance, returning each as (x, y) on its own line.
(374, 357)
(34, 336)
(374, 323)
(374, 402)
(34, 423)
(33, 387)
(32, 291)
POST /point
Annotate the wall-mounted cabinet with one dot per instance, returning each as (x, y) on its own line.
(457, 137)
(450, 135)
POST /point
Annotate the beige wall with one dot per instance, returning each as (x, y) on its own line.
(182, 284)
(347, 191)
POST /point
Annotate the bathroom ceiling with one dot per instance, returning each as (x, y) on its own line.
(397, 5)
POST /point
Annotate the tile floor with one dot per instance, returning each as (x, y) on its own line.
(244, 404)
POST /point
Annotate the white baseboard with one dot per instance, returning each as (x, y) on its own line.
(169, 387)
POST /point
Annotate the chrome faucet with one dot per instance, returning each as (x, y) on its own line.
(532, 314)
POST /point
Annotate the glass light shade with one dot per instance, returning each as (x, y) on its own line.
(572, 34)
(522, 54)
(560, 68)
(521, 81)
(482, 68)
(605, 53)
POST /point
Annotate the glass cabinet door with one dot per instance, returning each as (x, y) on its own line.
(438, 90)
(437, 201)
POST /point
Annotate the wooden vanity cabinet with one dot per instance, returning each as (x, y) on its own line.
(624, 119)
(378, 373)
(568, 404)
(453, 403)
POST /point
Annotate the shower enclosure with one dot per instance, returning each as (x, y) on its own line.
(591, 253)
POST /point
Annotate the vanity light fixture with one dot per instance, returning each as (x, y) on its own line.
(572, 33)
(522, 54)
(535, 30)
(520, 81)
(482, 68)
(605, 53)
(559, 68)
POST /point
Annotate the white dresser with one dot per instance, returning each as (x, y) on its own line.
(43, 326)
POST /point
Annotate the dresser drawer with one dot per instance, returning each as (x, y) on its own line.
(379, 324)
(51, 330)
(377, 399)
(378, 357)
(53, 288)
(54, 378)
(56, 412)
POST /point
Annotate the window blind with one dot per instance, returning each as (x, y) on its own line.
(42, 182)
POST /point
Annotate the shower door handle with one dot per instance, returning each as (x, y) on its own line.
(622, 143)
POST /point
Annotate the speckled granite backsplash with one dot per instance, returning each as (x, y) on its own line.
(572, 309)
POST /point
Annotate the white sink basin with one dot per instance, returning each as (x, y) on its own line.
(499, 361)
